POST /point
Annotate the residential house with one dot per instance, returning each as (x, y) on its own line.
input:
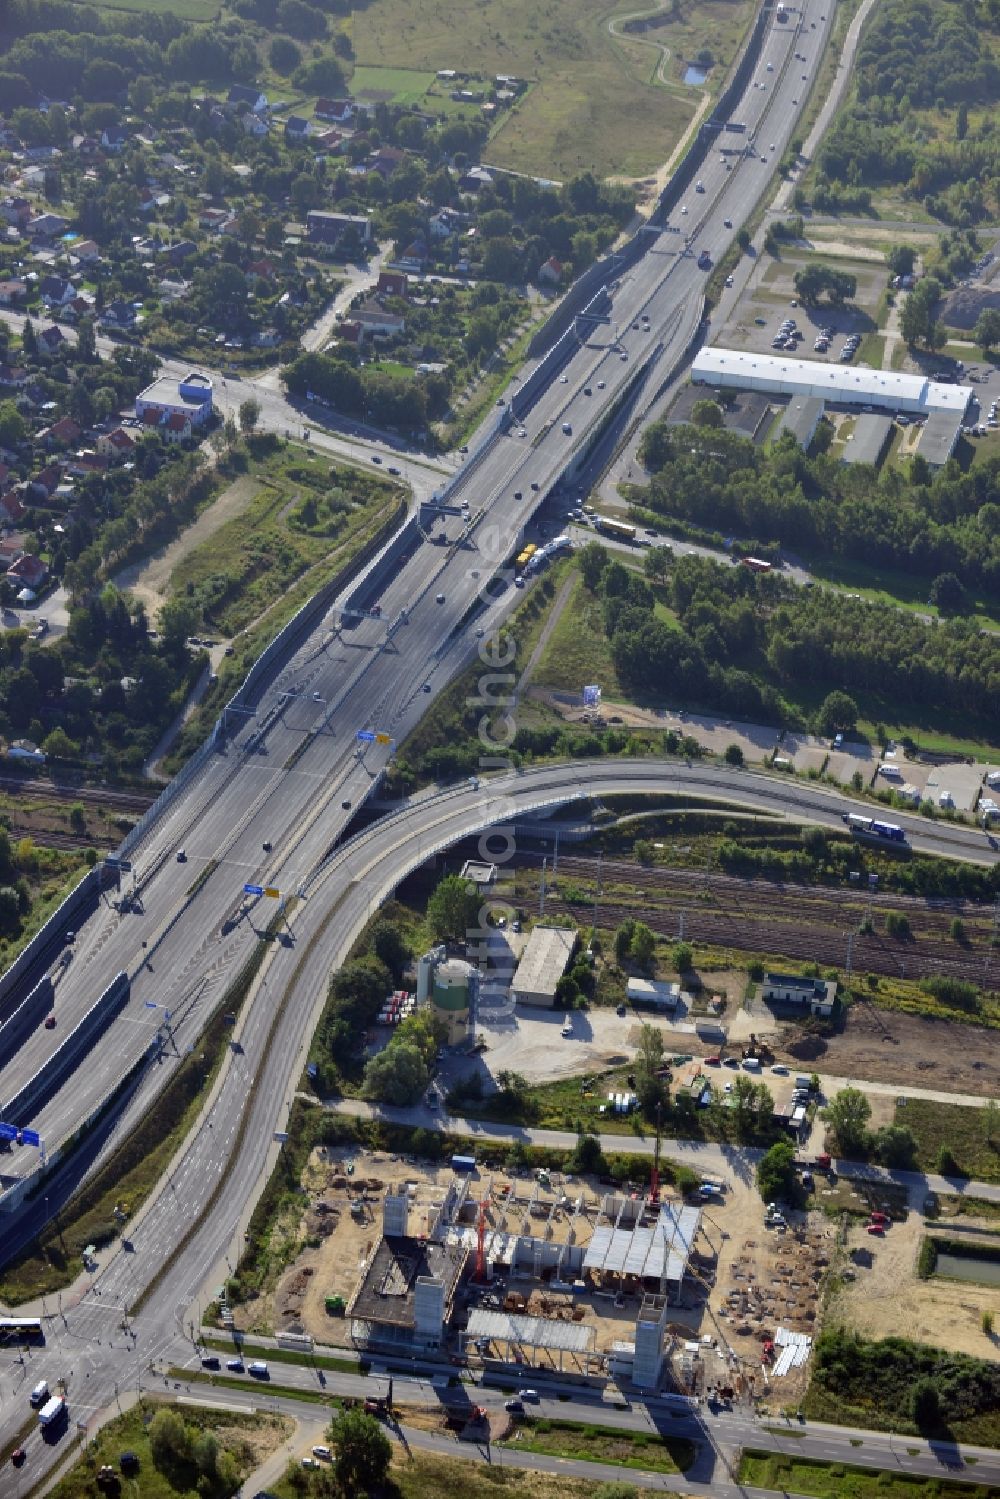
(375, 320)
(47, 226)
(11, 509)
(326, 141)
(176, 428)
(815, 995)
(15, 211)
(28, 571)
(260, 270)
(118, 316)
(172, 288)
(117, 445)
(474, 179)
(349, 331)
(61, 434)
(87, 146)
(550, 274)
(85, 252)
(255, 125)
(41, 155)
(114, 138)
(296, 128)
(336, 111)
(44, 484)
(80, 307)
(328, 228)
(180, 252)
(441, 225)
(23, 749)
(13, 378)
(242, 97)
(87, 462)
(392, 284)
(51, 341)
(55, 292)
(385, 160)
(212, 219)
(12, 291)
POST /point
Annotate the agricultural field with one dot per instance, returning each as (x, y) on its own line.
(597, 100)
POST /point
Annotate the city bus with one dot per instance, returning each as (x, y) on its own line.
(619, 530)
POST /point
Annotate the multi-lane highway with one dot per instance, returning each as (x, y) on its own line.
(274, 800)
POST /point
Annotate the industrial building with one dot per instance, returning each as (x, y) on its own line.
(523, 1279)
(801, 417)
(190, 398)
(840, 385)
(939, 438)
(869, 440)
(448, 986)
(543, 962)
(653, 995)
(817, 995)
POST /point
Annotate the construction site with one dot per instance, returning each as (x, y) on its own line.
(542, 1271)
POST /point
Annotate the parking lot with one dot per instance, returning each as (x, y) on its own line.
(770, 301)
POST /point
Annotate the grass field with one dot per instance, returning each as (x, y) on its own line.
(574, 1440)
(904, 590)
(578, 649)
(799, 1475)
(248, 1438)
(401, 85)
(184, 10)
(952, 1127)
(590, 103)
(304, 512)
(421, 1475)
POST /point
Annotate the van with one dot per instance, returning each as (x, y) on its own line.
(801, 1081)
(40, 1393)
(258, 1367)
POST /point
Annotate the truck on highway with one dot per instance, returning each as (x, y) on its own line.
(53, 1411)
(704, 261)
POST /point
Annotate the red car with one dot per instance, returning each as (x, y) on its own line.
(882, 1218)
(50, 1022)
(876, 1228)
(713, 1061)
(17, 1456)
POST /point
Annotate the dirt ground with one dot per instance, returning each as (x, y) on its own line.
(886, 1297)
(259, 1440)
(149, 581)
(911, 1050)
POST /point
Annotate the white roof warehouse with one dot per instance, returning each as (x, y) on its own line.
(837, 384)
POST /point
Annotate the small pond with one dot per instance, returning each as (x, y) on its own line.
(982, 1272)
(694, 76)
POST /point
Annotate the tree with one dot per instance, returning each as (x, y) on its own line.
(587, 1157)
(284, 56)
(453, 909)
(848, 1115)
(813, 280)
(363, 1452)
(916, 320)
(991, 1121)
(901, 259)
(948, 595)
(391, 947)
(752, 1105)
(837, 714)
(895, 1147)
(649, 1086)
(926, 1405)
(249, 414)
(29, 343)
(592, 560)
(682, 957)
(733, 755)
(643, 944)
(656, 563)
(706, 413)
(169, 1440)
(397, 1075)
(13, 427)
(986, 332)
(776, 1179)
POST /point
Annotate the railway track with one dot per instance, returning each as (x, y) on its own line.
(122, 801)
(800, 921)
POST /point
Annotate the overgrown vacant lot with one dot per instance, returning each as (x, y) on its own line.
(592, 102)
